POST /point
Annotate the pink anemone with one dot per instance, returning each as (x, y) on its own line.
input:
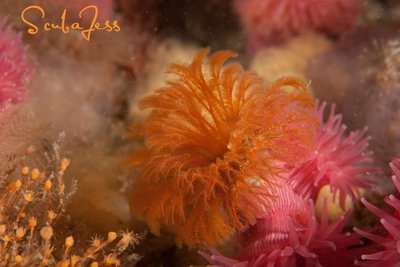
(341, 161)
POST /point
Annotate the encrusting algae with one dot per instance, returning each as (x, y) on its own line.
(214, 142)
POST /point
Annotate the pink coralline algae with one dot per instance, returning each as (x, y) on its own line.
(267, 22)
(341, 161)
(389, 252)
(16, 68)
(291, 235)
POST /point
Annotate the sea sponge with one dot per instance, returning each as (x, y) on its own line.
(387, 252)
(214, 142)
(291, 58)
(166, 52)
(16, 67)
(267, 22)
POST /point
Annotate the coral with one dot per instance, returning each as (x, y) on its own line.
(387, 251)
(16, 67)
(214, 141)
(267, 22)
(340, 161)
(291, 235)
(33, 223)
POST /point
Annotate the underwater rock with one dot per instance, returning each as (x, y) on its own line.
(361, 75)
(61, 86)
(269, 22)
(105, 7)
(289, 59)
(167, 52)
(209, 23)
(100, 196)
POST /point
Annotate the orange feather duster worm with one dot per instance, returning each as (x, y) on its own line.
(214, 143)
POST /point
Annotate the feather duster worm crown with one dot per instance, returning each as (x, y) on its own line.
(212, 144)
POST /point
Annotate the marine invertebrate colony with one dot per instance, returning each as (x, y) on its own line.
(33, 225)
(214, 143)
(16, 68)
(267, 22)
(340, 161)
(291, 235)
(388, 246)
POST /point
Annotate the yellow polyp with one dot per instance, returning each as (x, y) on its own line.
(35, 174)
(74, 260)
(69, 241)
(25, 170)
(44, 262)
(51, 215)
(32, 222)
(6, 239)
(111, 236)
(64, 164)
(19, 233)
(3, 228)
(29, 196)
(14, 186)
(46, 232)
(18, 259)
(47, 185)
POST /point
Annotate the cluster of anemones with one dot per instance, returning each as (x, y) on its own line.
(290, 233)
(223, 155)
